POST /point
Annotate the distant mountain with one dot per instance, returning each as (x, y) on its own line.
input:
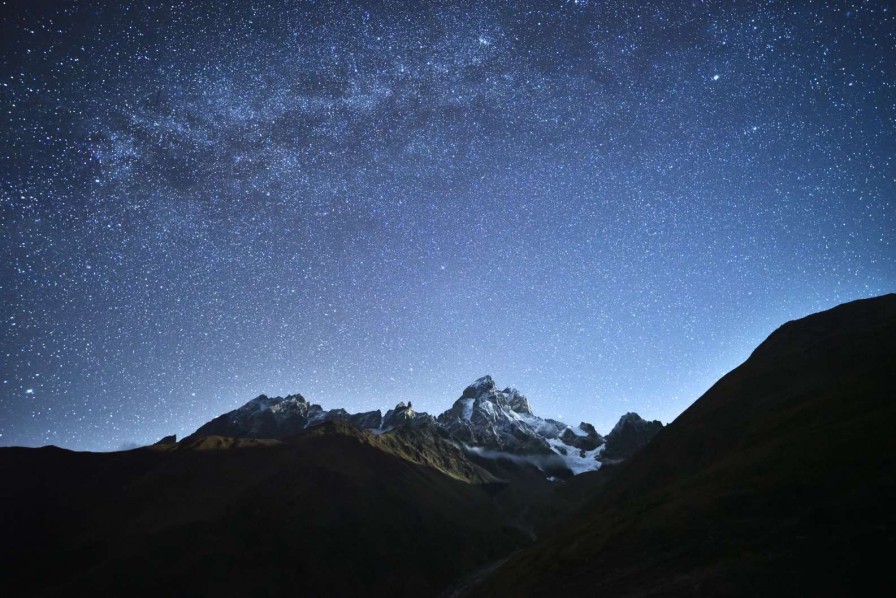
(628, 436)
(484, 420)
(279, 417)
(780, 480)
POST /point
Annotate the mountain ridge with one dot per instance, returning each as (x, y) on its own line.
(483, 418)
(778, 480)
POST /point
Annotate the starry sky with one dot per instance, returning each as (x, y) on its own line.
(605, 204)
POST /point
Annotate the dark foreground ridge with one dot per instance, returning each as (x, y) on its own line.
(780, 480)
(333, 511)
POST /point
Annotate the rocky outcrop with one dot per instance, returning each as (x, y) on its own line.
(265, 417)
(366, 420)
(585, 437)
(628, 436)
(404, 416)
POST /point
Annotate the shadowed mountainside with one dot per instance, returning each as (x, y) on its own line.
(333, 511)
(780, 480)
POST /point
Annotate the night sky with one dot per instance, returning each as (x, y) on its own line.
(605, 204)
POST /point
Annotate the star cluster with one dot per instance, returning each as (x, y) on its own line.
(605, 204)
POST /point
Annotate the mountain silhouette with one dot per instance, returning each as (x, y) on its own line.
(780, 480)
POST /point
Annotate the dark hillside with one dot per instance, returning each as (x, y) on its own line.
(326, 513)
(780, 480)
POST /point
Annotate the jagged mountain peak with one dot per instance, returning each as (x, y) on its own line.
(485, 389)
(629, 434)
(263, 401)
(403, 416)
(280, 417)
(483, 417)
(484, 385)
(630, 418)
(517, 401)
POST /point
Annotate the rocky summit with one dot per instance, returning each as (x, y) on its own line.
(483, 420)
(630, 434)
(280, 417)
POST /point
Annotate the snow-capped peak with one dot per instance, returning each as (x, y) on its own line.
(483, 417)
(480, 386)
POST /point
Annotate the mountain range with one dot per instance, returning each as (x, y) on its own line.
(779, 480)
(483, 420)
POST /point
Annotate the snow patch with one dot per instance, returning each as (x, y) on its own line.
(260, 403)
(467, 409)
(489, 408)
(482, 383)
(576, 460)
(578, 432)
(540, 426)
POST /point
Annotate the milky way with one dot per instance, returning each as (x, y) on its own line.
(605, 204)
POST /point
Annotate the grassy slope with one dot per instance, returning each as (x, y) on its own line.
(326, 513)
(780, 479)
